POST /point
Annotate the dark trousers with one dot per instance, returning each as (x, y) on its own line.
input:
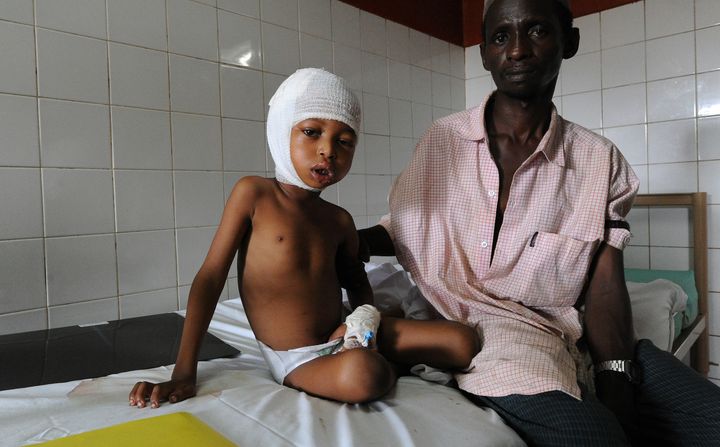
(675, 406)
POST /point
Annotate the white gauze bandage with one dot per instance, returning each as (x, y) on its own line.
(362, 326)
(307, 93)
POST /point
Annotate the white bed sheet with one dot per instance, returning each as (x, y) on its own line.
(239, 399)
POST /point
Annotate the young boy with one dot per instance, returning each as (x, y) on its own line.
(292, 246)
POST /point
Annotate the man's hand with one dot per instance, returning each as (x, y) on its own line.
(374, 241)
(172, 391)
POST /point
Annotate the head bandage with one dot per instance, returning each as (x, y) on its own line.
(488, 4)
(307, 93)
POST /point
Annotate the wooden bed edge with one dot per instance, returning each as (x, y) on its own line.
(695, 337)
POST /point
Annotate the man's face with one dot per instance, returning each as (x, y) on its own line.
(524, 46)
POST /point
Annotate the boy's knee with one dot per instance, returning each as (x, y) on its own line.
(365, 376)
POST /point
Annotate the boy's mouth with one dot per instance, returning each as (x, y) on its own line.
(323, 173)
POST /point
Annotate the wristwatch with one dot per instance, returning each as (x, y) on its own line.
(626, 367)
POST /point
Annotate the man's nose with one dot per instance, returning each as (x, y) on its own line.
(519, 47)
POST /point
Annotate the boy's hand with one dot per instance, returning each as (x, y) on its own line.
(173, 391)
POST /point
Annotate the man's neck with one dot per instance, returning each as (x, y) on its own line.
(520, 120)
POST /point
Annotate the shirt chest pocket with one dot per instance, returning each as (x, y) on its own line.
(550, 272)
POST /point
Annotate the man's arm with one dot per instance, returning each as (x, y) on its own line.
(375, 241)
(351, 270)
(609, 330)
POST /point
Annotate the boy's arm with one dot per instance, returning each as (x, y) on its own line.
(204, 294)
(351, 271)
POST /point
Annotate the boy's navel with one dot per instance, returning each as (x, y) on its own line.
(280, 238)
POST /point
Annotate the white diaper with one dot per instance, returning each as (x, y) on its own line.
(282, 363)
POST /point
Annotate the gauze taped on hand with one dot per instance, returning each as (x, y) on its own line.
(362, 326)
(307, 93)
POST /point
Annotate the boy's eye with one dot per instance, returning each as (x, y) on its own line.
(310, 132)
(347, 143)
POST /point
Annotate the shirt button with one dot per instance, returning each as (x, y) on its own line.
(484, 244)
(491, 193)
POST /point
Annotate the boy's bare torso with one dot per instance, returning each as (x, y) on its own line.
(287, 273)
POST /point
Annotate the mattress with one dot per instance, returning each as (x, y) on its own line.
(238, 398)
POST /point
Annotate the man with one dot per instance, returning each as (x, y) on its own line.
(510, 219)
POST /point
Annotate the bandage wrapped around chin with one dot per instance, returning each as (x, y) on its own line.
(362, 326)
(307, 93)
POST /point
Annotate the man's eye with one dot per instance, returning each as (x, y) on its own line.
(500, 39)
(538, 31)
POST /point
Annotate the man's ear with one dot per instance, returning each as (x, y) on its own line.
(572, 42)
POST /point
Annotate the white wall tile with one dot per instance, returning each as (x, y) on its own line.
(281, 49)
(622, 25)
(670, 258)
(708, 138)
(19, 130)
(280, 12)
(271, 82)
(670, 227)
(17, 11)
(400, 118)
(670, 56)
(457, 61)
(473, 63)
(80, 268)
(639, 220)
(30, 320)
(477, 89)
(589, 27)
(352, 194)
(72, 67)
(192, 246)
(401, 150)
(707, 50)
(623, 105)
(378, 188)
(348, 65)
(714, 314)
(623, 65)
(643, 174)
(144, 200)
(146, 261)
(17, 44)
(707, 13)
(138, 22)
(708, 93)
(710, 180)
(141, 138)
(138, 77)
(373, 36)
(313, 16)
(192, 29)
(422, 119)
(581, 73)
(86, 17)
(239, 40)
(440, 53)
(584, 109)
(713, 222)
(441, 93)
(671, 99)
(421, 82)
(345, 24)
(631, 140)
(636, 257)
(399, 80)
(672, 141)
(398, 37)
(457, 93)
(374, 74)
(714, 266)
(148, 303)
(358, 166)
(250, 8)
(440, 112)
(665, 17)
(198, 198)
(673, 177)
(315, 52)
(376, 114)
(22, 275)
(196, 142)
(420, 54)
(194, 85)
(74, 134)
(377, 157)
(89, 312)
(243, 145)
(78, 201)
(242, 93)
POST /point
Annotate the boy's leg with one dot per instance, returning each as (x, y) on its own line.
(353, 376)
(676, 405)
(556, 419)
(438, 343)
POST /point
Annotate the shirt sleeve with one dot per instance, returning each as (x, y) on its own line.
(624, 186)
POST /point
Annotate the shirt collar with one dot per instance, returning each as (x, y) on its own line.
(552, 144)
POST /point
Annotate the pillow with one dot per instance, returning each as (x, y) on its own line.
(654, 305)
(683, 278)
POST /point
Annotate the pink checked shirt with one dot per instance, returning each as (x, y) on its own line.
(442, 216)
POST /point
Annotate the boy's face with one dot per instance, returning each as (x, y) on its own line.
(321, 151)
(524, 46)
